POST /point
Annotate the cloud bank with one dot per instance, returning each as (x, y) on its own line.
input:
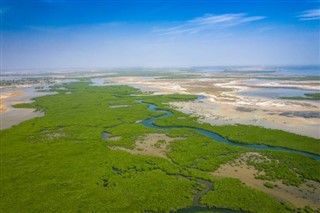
(210, 22)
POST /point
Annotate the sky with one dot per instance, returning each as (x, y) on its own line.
(52, 34)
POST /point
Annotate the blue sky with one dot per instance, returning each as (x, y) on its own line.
(81, 34)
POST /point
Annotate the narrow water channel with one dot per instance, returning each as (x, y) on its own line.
(197, 207)
(214, 136)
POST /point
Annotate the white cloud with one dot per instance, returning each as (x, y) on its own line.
(210, 22)
(310, 15)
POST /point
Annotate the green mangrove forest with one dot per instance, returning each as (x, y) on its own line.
(79, 158)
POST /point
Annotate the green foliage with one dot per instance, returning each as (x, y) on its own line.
(226, 194)
(60, 163)
(197, 151)
(291, 168)
(308, 209)
(270, 185)
(151, 191)
(159, 143)
(289, 206)
(258, 135)
(308, 96)
(247, 134)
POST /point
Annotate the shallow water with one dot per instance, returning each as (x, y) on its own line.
(197, 207)
(13, 116)
(275, 93)
(285, 70)
(214, 136)
(16, 116)
(301, 114)
(98, 81)
(105, 136)
(299, 70)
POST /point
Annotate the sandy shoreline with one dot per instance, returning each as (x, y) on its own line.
(223, 103)
(9, 115)
(7, 96)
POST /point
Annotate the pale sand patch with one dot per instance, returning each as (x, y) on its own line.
(119, 106)
(7, 95)
(115, 138)
(16, 116)
(158, 86)
(10, 116)
(215, 112)
(12, 96)
(306, 194)
(155, 144)
(220, 106)
(312, 85)
(54, 136)
(48, 135)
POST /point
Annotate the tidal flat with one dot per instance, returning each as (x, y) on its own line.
(10, 96)
(62, 162)
(225, 93)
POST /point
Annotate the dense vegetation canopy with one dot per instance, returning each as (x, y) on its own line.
(62, 163)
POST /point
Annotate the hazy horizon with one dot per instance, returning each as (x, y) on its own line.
(284, 70)
(169, 67)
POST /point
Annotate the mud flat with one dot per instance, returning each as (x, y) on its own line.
(158, 86)
(16, 116)
(299, 196)
(273, 116)
(155, 144)
(10, 96)
(6, 96)
(225, 104)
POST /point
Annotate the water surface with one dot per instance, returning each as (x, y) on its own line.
(276, 92)
(214, 136)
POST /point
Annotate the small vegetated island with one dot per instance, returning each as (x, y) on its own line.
(91, 152)
(307, 96)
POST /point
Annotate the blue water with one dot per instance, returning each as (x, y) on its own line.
(299, 70)
(281, 70)
(214, 136)
(276, 92)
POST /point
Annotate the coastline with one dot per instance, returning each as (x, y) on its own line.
(10, 96)
(224, 105)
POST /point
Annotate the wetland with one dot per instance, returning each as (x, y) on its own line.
(115, 148)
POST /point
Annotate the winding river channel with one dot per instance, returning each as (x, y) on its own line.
(214, 136)
(197, 207)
